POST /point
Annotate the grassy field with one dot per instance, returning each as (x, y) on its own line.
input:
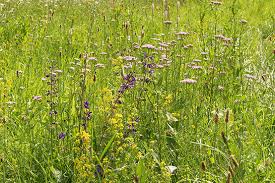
(137, 91)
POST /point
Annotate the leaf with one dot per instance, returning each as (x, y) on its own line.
(140, 171)
(107, 147)
(171, 169)
(171, 118)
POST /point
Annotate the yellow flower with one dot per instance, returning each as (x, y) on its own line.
(85, 136)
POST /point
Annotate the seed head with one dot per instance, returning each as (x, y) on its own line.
(203, 165)
(229, 176)
(227, 116)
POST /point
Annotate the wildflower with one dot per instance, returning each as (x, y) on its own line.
(53, 113)
(62, 135)
(129, 58)
(188, 81)
(136, 46)
(92, 59)
(128, 66)
(86, 105)
(181, 33)
(148, 46)
(159, 66)
(103, 53)
(99, 65)
(243, 21)
(196, 60)
(10, 103)
(219, 36)
(221, 88)
(37, 98)
(99, 172)
(85, 136)
(216, 2)
(163, 44)
(196, 67)
(18, 73)
(249, 76)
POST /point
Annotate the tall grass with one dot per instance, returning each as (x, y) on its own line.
(137, 91)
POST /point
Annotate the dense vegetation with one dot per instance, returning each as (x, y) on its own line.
(137, 91)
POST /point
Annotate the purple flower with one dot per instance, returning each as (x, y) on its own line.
(99, 172)
(123, 87)
(62, 135)
(86, 105)
(89, 115)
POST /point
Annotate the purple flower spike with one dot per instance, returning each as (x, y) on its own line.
(62, 135)
(86, 105)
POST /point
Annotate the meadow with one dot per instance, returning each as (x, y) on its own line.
(137, 91)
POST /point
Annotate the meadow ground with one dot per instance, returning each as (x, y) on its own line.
(137, 91)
